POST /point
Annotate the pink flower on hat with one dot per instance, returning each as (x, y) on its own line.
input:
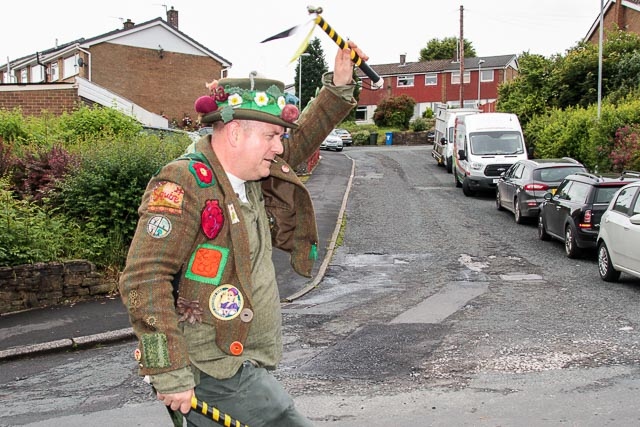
(290, 113)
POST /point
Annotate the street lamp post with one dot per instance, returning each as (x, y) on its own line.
(480, 62)
(300, 79)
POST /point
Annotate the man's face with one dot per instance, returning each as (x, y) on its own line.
(258, 145)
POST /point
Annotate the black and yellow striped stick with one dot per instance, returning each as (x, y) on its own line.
(215, 414)
(376, 81)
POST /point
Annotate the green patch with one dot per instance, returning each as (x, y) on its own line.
(155, 352)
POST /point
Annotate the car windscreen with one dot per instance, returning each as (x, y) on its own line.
(555, 174)
(496, 143)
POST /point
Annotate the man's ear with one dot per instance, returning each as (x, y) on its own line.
(232, 131)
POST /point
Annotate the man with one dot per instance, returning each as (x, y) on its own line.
(221, 207)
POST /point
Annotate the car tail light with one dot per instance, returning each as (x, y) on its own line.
(586, 219)
(536, 187)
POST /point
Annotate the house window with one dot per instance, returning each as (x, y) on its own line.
(455, 77)
(431, 79)
(486, 75)
(361, 113)
(404, 81)
(69, 67)
(37, 74)
(53, 72)
(24, 76)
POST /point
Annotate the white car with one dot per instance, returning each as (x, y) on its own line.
(333, 141)
(619, 235)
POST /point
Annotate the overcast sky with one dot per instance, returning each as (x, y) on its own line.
(234, 29)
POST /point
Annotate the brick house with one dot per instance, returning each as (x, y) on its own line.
(622, 14)
(151, 71)
(433, 82)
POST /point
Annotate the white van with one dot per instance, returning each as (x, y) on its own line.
(486, 145)
(444, 139)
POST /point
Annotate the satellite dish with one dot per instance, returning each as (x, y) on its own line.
(80, 62)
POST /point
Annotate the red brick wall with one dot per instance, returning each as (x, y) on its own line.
(168, 85)
(35, 102)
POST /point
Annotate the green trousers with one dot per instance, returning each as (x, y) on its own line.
(252, 396)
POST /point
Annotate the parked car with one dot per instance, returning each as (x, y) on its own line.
(520, 189)
(431, 136)
(619, 235)
(573, 213)
(333, 141)
(347, 140)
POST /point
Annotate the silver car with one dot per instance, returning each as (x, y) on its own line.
(333, 141)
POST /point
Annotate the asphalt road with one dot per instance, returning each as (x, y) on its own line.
(436, 310)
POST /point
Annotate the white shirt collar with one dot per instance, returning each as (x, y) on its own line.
(238, 187)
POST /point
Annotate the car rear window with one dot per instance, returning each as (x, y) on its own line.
(555, 174)
(605, 194)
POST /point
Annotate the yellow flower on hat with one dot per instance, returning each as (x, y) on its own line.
(235, 100)
(261, 99)
(281, 102)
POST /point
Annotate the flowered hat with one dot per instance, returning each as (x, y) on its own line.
(254, 98)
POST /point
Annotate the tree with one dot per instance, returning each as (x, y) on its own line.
(531, 92)
(447, 48)
(313, 67)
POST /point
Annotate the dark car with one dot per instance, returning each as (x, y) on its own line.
(431, 136)
(521, 188)
(573, 213)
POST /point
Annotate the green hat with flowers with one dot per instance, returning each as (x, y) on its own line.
(253, 98)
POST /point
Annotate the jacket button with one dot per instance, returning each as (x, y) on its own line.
(246, 315)
(236, 348)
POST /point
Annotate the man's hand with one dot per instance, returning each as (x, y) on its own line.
(177, 401)
(343, 69)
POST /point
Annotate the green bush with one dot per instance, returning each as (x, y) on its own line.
(12, 125)
(104, 192)
(98, 121)
(394, 111)
(421, 125)
(32, 234)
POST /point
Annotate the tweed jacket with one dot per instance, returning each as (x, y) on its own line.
(191, 241)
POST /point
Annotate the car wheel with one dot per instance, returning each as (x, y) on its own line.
(605, 268)
(466, 189)
(517, 214)
(570, 246)
(455, 178)
(448, 164)
(498, 204)
(542, 230)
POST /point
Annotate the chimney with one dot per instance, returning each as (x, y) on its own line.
(403, 58)
(172, 18)
(128, 24)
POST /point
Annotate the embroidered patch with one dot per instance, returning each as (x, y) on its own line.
(166, 197)
(233, 214)
(155, 353)
(158, 226)
(204, 175)
(212, 219)
(134, 299)
(226, 302)
(207, 264)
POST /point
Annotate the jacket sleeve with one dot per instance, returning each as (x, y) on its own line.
(167, 227)
(321, 115)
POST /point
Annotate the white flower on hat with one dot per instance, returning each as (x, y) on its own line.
(281, 102)
(235, 100)
(261, 99)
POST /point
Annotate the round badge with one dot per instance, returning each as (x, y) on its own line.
(226, 302)
(158, 226)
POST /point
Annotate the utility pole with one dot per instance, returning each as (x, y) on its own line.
(461, 47)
